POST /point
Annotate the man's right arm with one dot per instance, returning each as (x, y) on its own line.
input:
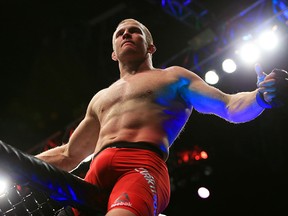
(56, 156)
(81, 144)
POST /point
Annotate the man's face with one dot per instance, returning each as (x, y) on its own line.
(129, 40)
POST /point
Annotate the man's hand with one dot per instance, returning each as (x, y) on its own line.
(273, 88)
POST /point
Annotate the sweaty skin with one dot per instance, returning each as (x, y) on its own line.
(146, 104)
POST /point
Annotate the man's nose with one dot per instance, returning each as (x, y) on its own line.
(126, 34)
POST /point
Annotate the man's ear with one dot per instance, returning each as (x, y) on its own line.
(113, 56)
(151, 48)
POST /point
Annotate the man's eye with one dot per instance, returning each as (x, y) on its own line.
(118, 34)
(136, 30)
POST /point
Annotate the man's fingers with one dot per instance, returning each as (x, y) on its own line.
(267, 83)
(260, 74)
(259, 71)
(269, 96)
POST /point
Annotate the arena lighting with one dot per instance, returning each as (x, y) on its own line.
(268, 40)
(3, 185)
(254, 46)
(280, 7)
(249, 52)
(211, 77)
(190, 156)
(203, 192)
(229, 66)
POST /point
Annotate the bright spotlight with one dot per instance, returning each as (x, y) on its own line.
(268, 40)
(211, 77)
(229, 66)
(203, 192)
(250, 53)
(3, 185)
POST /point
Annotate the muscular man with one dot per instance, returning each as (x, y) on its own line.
(131, 125)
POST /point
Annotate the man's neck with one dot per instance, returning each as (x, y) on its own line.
(133, 68)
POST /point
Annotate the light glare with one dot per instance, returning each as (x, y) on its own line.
(211, 77)
(250, 53)
(3, 185)
(203, 192)
(229, 66)
(268, 40)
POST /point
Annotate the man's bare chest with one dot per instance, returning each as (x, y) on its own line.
(144, 90)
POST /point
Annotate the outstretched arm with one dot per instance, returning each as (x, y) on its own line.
(236, 108)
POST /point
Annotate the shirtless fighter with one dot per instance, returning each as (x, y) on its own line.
(130, 125)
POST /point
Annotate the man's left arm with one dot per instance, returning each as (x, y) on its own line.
(242, 106)
(271, 93)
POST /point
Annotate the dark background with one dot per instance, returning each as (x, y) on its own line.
(57, 54)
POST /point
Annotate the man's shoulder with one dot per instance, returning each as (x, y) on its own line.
(99, 93)
(179, 71)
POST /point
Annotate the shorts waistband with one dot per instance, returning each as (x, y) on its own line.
(136, 145)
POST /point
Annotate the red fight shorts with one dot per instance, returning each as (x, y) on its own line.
(131, 178)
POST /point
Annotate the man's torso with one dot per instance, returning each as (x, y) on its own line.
(142, 107)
